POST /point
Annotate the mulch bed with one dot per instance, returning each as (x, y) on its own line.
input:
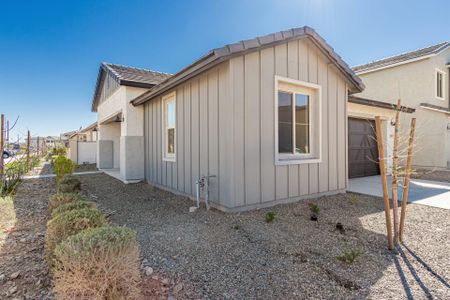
(233, 256)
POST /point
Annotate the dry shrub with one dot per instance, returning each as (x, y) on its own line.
(69, 184)
(62, 198)
(80, 204)
(70, 223)
(100, 263)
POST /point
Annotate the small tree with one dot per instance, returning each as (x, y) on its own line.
(62, 166)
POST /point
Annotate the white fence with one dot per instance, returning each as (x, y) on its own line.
(83, 152)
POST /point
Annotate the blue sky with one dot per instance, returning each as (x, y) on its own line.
(50, 50)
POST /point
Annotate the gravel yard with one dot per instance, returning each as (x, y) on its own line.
(23, 217)
(443, 176)
(241, 256)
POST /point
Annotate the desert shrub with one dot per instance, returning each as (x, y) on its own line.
(62, 166)
(314, 208)
(61, 198)
(80, 204)
(70, 223)
(100, 263)
(69, 184)
(60, 151)
(270, 216)
(349, 255)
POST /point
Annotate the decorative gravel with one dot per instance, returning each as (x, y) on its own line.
(240, 256)
(435, 175)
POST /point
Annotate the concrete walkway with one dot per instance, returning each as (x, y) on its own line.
(431, 193)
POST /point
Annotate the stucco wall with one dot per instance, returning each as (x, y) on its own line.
(414, 83)
(225, 127)
(127, 158)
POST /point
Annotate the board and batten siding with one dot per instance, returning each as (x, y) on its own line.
(225, 126)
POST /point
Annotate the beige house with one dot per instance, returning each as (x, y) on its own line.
(421, 80)
(248, 125)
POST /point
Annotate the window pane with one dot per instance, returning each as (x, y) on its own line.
(285, 123)
(302, 124)
(171, 140)
(171, 114)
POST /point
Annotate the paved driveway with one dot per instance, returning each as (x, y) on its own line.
(431, 193)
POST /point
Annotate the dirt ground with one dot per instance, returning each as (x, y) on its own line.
(229, 256)
(23, 269)
(24, 273)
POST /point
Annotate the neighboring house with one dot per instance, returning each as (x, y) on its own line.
(82, 145)
(64, 137)
(263, 119)
(421, 80)
(43, 141)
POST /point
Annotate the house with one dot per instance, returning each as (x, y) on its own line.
(43, 141)
(420, 79)
(82, 145)
(259, 122)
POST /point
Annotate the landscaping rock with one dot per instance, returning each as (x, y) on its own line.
(148, 271)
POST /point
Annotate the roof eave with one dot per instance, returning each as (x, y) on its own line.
(219, 55)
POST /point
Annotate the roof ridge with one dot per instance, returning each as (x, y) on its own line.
(136, 68)
(441, 45)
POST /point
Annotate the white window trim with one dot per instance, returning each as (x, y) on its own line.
(166, 156)
(443, 83)
(296, 159)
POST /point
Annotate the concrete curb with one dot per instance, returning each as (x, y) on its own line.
(53, 175)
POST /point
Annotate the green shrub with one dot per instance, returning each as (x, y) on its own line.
(349, 255)
(314, 208)
(70, 223)
(270, 216)
(69, 184)
(100, 263)
(62, 198)
(62, 166)
(60, 151)
(80, 204)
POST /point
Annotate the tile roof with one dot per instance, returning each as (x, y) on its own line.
(218, 55)
(127, 75)
(416, 54)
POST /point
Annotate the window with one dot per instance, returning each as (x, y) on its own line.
(440, 83)
(169, 134)
(297, 121)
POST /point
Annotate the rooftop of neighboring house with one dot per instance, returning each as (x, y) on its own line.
(402, 58)
(127, 76)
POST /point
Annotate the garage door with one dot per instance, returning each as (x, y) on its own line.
(362, 148)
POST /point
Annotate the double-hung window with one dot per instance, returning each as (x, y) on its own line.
(169, 126)
(297, 121)
(440, 84)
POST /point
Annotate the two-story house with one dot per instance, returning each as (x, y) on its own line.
(420, 79)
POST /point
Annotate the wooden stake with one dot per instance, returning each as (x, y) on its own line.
(395, 172)
(387, 209)
(407, 175)
(28, 152)
(2, 129)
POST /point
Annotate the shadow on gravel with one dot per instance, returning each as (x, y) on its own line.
(231, 256)
(23, 269)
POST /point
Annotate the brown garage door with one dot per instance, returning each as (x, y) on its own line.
(362, 148)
